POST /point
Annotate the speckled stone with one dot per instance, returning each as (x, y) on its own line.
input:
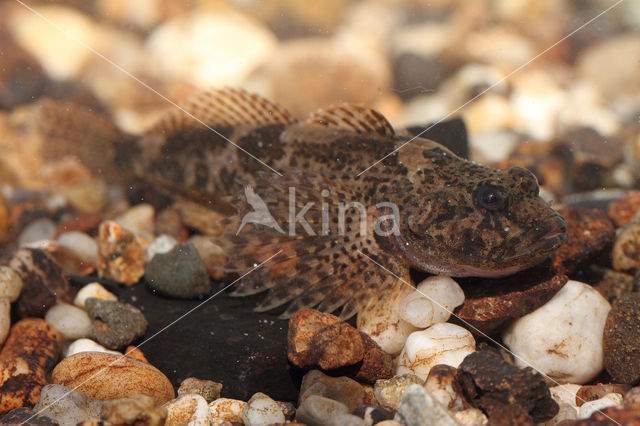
(115, 324)
(22, 415)
(622, 340)
(178, 273)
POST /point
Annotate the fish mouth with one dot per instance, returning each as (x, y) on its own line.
(545, 240)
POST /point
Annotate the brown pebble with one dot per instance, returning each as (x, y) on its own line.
(121, 257)
(590, 231)
(376, 363)
(623, 210)
(169, 222)
(207, 389)
(319, 339)
(31, 350)
(44, 284)
(492, 302)
(625, 255)
(621, 342)
(105, 376)
(135, 352)
(138, 410)
(81, 222)
(342, 389)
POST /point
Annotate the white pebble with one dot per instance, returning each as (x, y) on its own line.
(381, 320)
(87, 345)
(227, 409)
(562, 338)
(262, 411)
(162, 244)
(5, 319)
(92, 290)
(565, 393)
(10, 283)
(40, 229)
(432, 302)
(139, 219)
(191, 409)
(71, 321)
(470, 417)
(80, 244)
(442, 343)
(588, 408)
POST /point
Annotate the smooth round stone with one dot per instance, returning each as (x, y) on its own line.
(227, 409)
(138, 219)
(40, 229)
(563, 338)
(432, 302)
(93, 290)
(104, 376)
(262, 411)
(71, 321)
(316, 410)
(81, 244)
(207, 389)
(87, 345)
(179, 273)
(442, 343)
(162, 244)
(420, 408)
(115, 324)
(10, 283)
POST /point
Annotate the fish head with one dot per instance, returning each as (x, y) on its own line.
(461, 218)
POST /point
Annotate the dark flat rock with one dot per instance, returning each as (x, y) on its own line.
(221, 340)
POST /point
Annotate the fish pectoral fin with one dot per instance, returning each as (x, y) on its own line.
(354, 118)
(222, 108)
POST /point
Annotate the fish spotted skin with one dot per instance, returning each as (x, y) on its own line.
(455, 217)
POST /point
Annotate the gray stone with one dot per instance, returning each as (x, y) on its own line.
(66, 406)
(178, 273)
(419, 408)
(115, 324)
(317, 410)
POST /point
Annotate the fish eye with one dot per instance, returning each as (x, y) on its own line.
(490, 197)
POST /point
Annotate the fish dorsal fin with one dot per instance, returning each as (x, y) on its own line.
(223, 108)
(353, 118)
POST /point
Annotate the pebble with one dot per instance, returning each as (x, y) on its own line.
(589, 231)
(389, 392)
(72, 322)
(44, 284)
(211, 254)
(591, 393)
(138, 219)
(10, 288)
(207, 389)
(66, 406)
(432, 302)
(31, 349)
(613, 285)
(178, 273)
(418, 408)
(317, 410)
(261, 410)
(227, 409)
(442, 343)
(162, 244)
(189, 409)
(88, 196)
(609, 400)
(566, 393)
(491, 303)
(80, 244)
(342, 389)
(22, 415)
(623, 210)
(565, 412)
(382, 322)
(115, 324)
(40, 229)
(470, 417)
(563, 338)
(621, 342)
(87, 345)
(625, 255)
(211, 49)
(5, 319)
(105, 376)
(444, 386)
(318, 338)
(95, 290)
(137, 410)
(374, 414)
(121, 257)
(169, 224)
(505, 393)
(376, 364)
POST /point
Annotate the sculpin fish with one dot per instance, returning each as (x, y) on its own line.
(339, 236)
